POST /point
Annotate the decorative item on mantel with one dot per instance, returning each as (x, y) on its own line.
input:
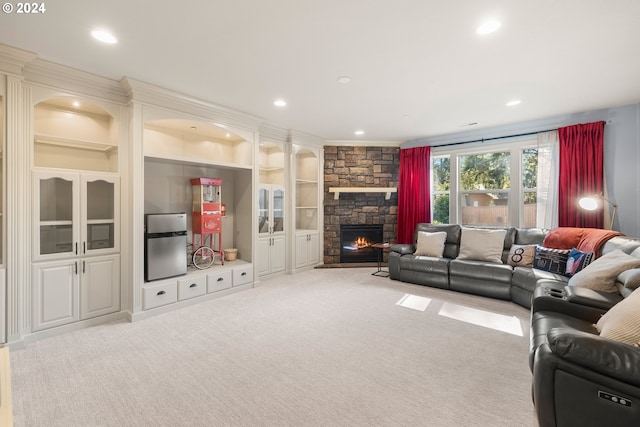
(386, 190)
(207, 212)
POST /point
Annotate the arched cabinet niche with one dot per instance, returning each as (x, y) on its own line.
(176, 151)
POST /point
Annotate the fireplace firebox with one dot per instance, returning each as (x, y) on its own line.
(356, 241)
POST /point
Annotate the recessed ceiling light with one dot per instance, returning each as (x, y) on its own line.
(76, 104)
(228, 135)
(488, 27)
(280, 103)
(513, 103)
(104, 36)
(359, 132)
(344, 79)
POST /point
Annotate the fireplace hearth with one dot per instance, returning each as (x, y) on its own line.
(356, 241)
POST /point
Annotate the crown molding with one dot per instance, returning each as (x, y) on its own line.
(269, 132)
(360, 143)
(297, 137)
(13, 60)
(146, 93)
(50, 74)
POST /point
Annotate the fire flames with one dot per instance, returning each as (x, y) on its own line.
(361, 242)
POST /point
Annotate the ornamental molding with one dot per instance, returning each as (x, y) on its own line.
(148, 94)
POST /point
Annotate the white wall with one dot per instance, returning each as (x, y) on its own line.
(621, 153)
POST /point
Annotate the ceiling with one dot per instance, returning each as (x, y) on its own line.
(417, 67)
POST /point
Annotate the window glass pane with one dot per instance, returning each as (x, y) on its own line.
(441, 209)
(485, 208)
(530, 210)
(441, 173)
(529, 168)
(489, 171)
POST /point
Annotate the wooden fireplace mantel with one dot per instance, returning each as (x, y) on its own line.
(338, 190)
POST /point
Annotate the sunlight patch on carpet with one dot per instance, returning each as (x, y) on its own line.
(414, 302)
(499, 322)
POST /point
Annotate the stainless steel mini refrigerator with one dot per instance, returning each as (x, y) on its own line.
(165, 245)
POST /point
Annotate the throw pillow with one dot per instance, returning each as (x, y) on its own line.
(577, 261)
(521, 255)
(630, 279)
(481, 244)
(601, 274)
(551, 260)
(622, 321)
(430, 244)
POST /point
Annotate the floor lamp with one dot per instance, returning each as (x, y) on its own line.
(591, 203)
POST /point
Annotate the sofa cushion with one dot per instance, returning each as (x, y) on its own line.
(528, 278)
(630, 279)
(425, 264)
(529, 236)
(578, 260)
(487, 271)
(521, 255)
(482, 244)
(601, 274)
(551, 260)
(622, 321)
(430, 244)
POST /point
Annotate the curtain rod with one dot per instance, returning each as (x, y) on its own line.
(493, 139)
(501, 137)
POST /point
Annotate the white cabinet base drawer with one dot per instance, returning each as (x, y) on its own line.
(192, 287)
(242, 275)
(159, 294)
(218, 281)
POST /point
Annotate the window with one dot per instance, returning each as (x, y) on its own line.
(488, 185)
(529, 187)
(441, 183)
(484, 188)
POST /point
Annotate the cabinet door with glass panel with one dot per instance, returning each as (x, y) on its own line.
(75, 214)
(270, 209)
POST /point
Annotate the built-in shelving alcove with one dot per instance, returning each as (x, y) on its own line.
(74, 134)
(177, 150)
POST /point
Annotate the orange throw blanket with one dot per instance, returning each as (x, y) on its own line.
(584, 239)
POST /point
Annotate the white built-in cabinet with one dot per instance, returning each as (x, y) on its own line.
(271, 229)
(75, 245)
(76, 261)
(272, 210)
(307, 206)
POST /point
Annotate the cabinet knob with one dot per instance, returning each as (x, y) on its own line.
(244, 273)
(161, 293)
(193, 285)
(220, 279)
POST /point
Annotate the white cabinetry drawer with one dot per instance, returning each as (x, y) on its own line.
(159, 294)
(218, 281)
(192, 287)
(242, 275)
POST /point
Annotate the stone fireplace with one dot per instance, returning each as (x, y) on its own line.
(356, 166)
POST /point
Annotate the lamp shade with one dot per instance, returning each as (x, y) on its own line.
(589, 203)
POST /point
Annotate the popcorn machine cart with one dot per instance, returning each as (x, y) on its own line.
(207, 213)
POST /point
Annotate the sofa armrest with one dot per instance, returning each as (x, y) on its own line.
(607, 357)
(589, 297)
(403, 248)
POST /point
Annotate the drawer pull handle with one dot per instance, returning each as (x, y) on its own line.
(220, 279)
(244, 273)
(193, 285)
(161, 293)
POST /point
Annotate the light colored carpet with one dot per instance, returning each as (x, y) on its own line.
(328, 347)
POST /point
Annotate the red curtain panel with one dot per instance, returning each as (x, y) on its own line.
(581, 173)
(414, 192)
